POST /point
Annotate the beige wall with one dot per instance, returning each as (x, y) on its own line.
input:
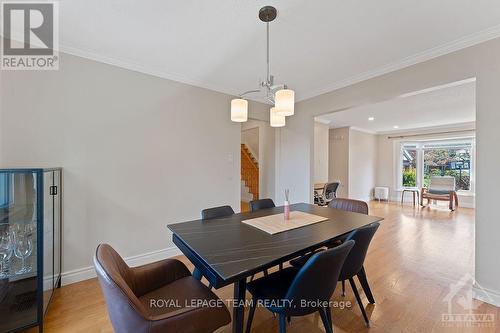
(482, 62)
(138, 153)
(339, 159)
(321, 142)
(362, 164)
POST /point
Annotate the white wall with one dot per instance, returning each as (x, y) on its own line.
(362, 164)
(266, 155)
(138, 152)
(339, 160)
(321, 142)
(482, 62)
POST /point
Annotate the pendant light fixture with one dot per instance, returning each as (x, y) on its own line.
(278, 95)
(275, 118)
(239, 110)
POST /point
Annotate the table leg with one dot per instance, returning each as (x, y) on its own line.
(413, 198)
(239, 306)
(402, 196)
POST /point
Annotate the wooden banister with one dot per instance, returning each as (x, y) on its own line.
(250, 171)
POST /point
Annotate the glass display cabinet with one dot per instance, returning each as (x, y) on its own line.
(30, 245)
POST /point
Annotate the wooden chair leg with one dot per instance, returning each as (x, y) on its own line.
(358, 299)
(250, 315)
(456, 199)
(343, 288)
(326, 322)
(282, 323)
(366, 287)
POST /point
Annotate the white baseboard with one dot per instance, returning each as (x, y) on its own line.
(486, 295)
(86, 273)
(408, 199)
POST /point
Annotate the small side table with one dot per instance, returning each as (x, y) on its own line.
(414, 191)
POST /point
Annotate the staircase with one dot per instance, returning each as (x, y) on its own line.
(249, 175)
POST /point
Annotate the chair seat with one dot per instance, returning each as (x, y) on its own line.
(273, 287)
(175, 300)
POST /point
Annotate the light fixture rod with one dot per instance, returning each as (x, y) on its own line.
(249, 92)
(267, 49)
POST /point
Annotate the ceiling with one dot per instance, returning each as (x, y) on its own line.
(441, 106)
(316, 46)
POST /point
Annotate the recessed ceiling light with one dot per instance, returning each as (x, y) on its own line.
(371, 118)
(395, 126)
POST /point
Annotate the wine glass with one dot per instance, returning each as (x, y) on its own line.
(6, 250)
(23, 246)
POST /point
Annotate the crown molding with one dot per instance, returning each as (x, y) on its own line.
(362, 130)
(456, 45)
(148, 70)
(322, 121)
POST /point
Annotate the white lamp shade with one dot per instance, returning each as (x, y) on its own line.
(284, 102)
(275, 119)
(239, 110)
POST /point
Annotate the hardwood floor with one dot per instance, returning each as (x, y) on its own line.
(415, 258)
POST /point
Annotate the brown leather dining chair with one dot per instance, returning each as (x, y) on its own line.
(156, 297)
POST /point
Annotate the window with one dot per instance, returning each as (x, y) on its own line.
(409, 165)
(419, 161)
(452, 159)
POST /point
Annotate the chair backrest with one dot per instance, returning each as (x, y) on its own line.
(116, 279)
(356, 257)
(350, 205)
(216, 212)
(330, 190)
(261, 204)
(441, 184)
(317, 279)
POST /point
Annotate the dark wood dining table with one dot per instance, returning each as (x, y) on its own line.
(228, 251)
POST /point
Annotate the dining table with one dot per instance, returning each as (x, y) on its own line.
(228, 251)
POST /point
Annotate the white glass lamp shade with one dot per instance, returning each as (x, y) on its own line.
(284, 102)
(239, 110)
(275, 119)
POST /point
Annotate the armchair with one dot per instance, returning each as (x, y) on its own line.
(441, 188)
(136, 297)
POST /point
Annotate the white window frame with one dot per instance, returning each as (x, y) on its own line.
(420, 161)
